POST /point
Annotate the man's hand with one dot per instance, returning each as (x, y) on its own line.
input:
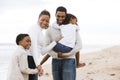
(62, 55)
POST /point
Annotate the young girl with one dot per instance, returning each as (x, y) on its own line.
(68, 30)
(67, 43)
(18, 69)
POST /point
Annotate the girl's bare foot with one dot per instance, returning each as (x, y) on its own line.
(80, 65)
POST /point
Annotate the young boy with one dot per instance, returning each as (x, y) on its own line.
(18, 69)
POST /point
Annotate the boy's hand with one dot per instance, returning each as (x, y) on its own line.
(40, 73)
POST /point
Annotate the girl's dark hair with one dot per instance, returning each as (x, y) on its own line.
(62, 9)
(68, 18)
(44, 12)
(20, 37)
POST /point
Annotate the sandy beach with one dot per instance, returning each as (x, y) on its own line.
(100, 65)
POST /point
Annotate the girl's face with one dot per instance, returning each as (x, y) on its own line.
(43, 21)
(26, 42)
(73, 21)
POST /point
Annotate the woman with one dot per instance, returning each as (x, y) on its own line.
(37, 41)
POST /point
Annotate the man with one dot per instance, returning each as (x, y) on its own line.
(62, 68)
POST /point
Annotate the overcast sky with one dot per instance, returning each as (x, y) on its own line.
(99, 20)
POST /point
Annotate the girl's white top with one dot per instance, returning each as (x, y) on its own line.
(69, 34)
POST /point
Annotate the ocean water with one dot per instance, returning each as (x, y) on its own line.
(6, 52)
(5, 55)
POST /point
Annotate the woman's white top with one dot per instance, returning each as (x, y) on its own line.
(38, 47)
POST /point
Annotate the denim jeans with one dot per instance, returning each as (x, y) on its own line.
(62, 48)
(64, 69)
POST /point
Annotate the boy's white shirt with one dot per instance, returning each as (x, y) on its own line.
(38, 47)
(53, 32)
(18, 68)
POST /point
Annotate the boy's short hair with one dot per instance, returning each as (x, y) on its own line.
(20, 37)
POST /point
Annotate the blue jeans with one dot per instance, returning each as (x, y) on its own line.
(64, 69)
(62, 48)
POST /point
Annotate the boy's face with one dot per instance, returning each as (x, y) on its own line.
(26, 42)
(60, 17)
